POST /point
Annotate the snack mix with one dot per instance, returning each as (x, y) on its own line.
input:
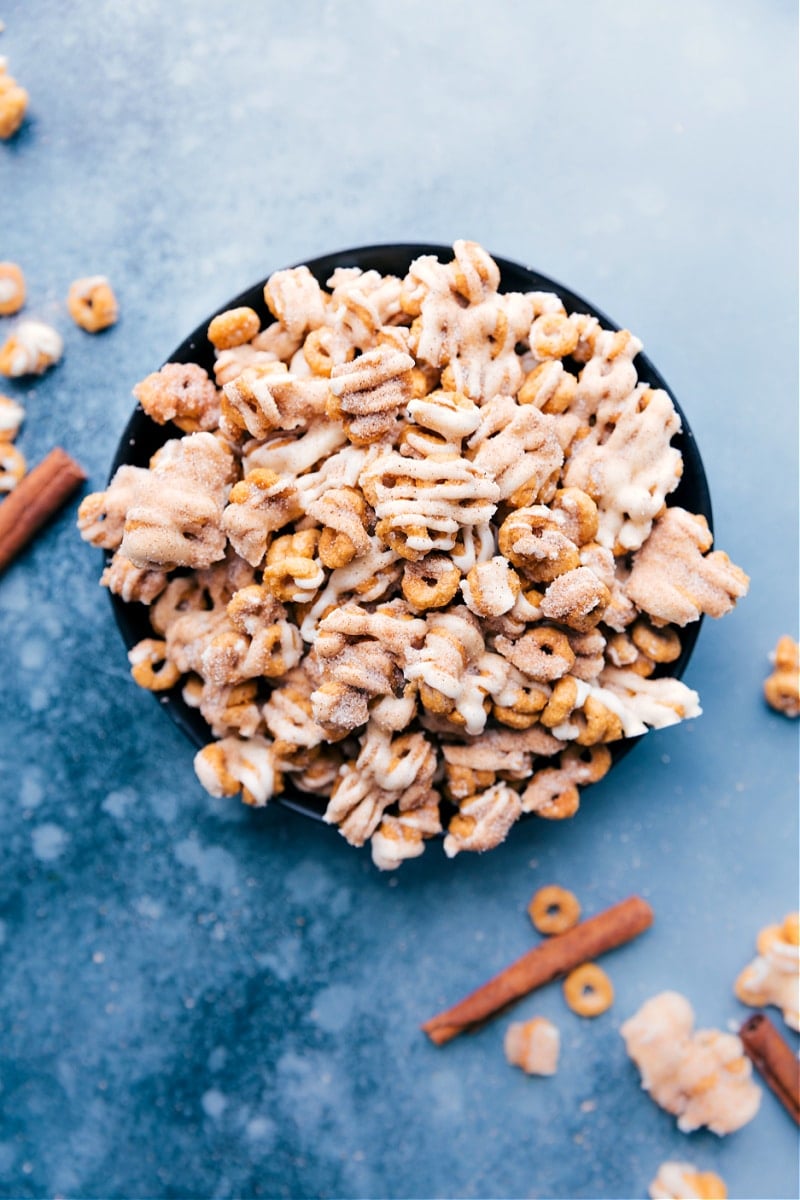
(682, 1181)
(412, 551)
(702, 1077)
(773, 977)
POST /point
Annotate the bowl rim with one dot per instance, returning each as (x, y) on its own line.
(129, 617)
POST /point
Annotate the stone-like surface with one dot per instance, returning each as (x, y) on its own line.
(196, 1000)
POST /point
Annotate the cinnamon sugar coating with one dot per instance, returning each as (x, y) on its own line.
(413, 552)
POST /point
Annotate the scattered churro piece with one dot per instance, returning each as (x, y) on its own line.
(180, 392)
(773, 977)
(30, 349)
(782, 687)
(92, 304)
(533, 1045)
(554, 910)
(682, 1181)
(588, 991)
(12, 288)
(701, 1077)
(13, 103)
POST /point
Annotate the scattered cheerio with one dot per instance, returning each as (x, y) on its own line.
(13, 102)
(554, 910)
(92, 304)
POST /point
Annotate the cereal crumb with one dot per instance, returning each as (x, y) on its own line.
(773, 976)
(782, 688)
(13, 103)
(702, 1077)
(682, 1181)
(533, 1045)
(12, 289)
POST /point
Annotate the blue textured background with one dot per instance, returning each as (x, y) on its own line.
(198, 1000)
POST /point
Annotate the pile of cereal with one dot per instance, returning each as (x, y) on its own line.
(412, 551)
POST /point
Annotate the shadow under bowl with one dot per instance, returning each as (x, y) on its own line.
(142, 437)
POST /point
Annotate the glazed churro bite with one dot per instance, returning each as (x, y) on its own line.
(30, 349)
(703, 1077)
(773, 977)
(414, 551)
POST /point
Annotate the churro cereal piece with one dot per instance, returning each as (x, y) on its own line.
(133, 584)
(702, 1077)
(233, 328)
(235, 764)
(626, 464)
(533, 1045)
(531, 539)
(258, 505)
(92, 304)
(182, 393)
(609, 375)
(293, 571)
(588, 991)
(270, 397)
(343, 514)
(400, 837)
(145, 658)
(12, 466)
(13, 103)
(659, 645)
(516, 445)
(295, 298)
(773, 977)
(30, 349)
(483, 821)
(368, 394)
(387, 771)
(12, 287)
(554, 910)
(176, 515)
(782, 687)
(101, 515)
(553, 792)
(491, 588)
(675, 580)
(683, 1181)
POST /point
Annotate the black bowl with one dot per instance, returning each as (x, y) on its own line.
(142, 437)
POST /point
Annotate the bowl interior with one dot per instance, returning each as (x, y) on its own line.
(142, 437)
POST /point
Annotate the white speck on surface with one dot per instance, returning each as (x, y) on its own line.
(260, 1129)
(117, 803)
(38, 699)
(147, 907)
(214, 1103)
(334, 1007)
(49, 842)
(213, 865)
(217, 1058)
(31, 791)
(98, 957)
(33, 654)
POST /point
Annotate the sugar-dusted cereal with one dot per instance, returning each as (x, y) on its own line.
(533, 1046)
(92, 304)
(773, 977)
(13, 103)
(12, 289)
(682, 1181)
(782, 687)
(30, 349)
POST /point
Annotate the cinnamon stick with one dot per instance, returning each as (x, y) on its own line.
(35, 499)
(773, 1058)
(545, 962)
